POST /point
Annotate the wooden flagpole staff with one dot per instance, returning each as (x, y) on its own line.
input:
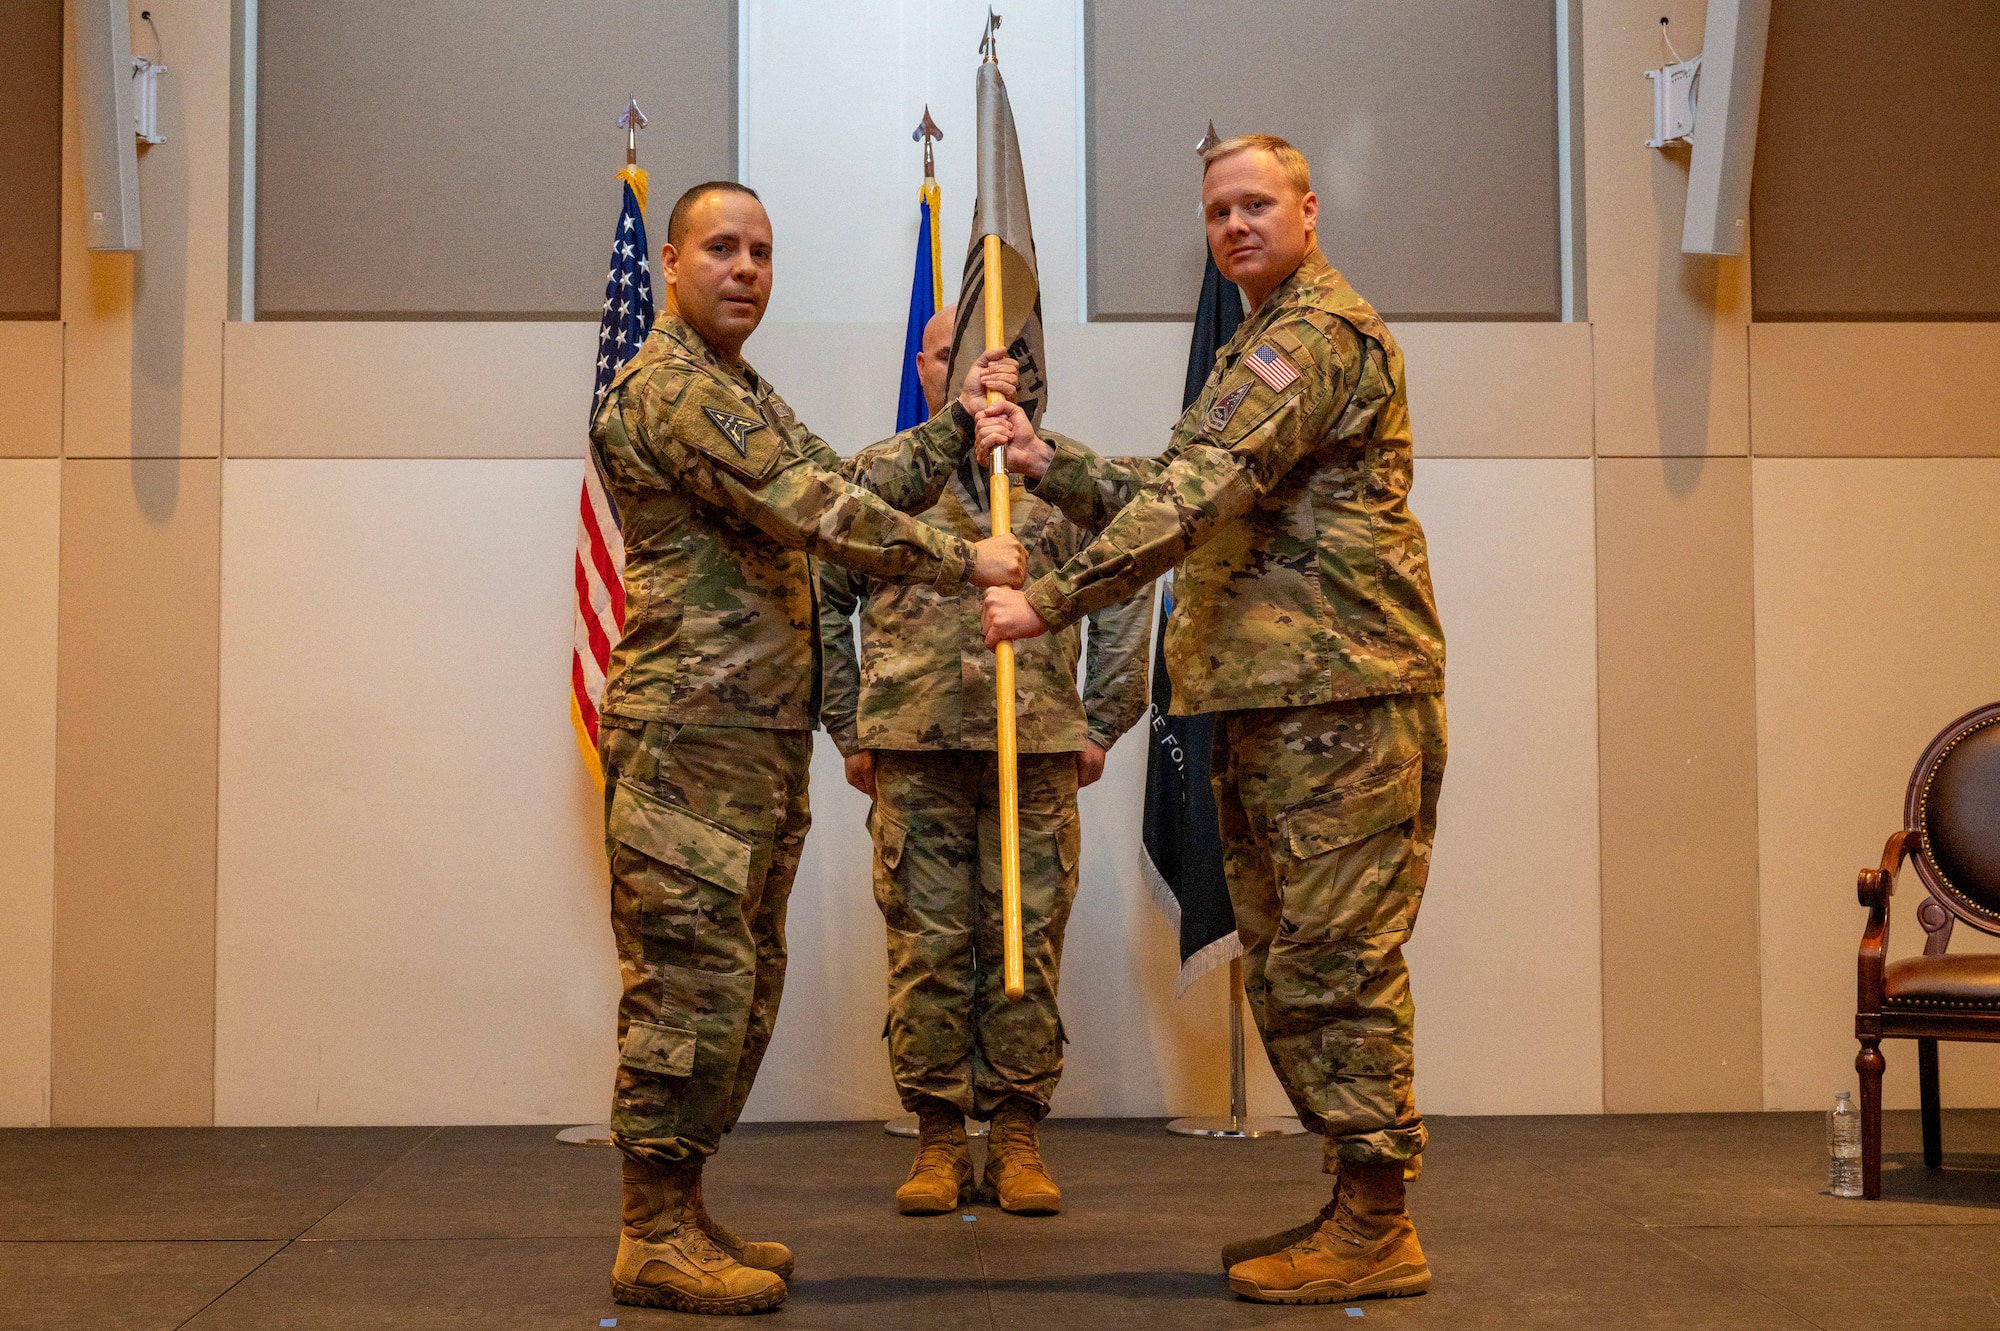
(1013, 971)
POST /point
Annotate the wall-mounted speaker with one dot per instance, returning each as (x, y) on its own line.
(1725, 126)
(110, 153)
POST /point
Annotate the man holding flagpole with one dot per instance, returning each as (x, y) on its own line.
(913, 714)
(1304, 618)
(705, 734)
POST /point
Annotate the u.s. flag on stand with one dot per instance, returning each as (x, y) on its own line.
(600, 547)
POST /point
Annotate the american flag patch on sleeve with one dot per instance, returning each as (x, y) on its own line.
(1274, 369)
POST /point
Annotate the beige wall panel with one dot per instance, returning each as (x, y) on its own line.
(1477, 390)
(1505, 959)
(135, 793)
(1678, 728)
(411, 894)
(144, 367)
(1806, 397)
(1878, 621)
(31, 388)
(29, 504)
(1498, 390)
(408, 390)
(1669, 328)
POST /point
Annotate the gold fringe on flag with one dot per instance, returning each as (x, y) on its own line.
(636, 177)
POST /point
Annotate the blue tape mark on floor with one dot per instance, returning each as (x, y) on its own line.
(607, 1321)
(1354, 1312)
(969, 1219)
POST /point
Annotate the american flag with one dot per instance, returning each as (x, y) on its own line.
(600, 546)
(1272, 368)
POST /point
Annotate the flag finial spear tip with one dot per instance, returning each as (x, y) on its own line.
(632, 117)
(926, 128)
(988, 46)
(1208, 140)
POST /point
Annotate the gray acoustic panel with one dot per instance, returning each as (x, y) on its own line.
(1877, 187)
(446, 159)
(31, 56)
(1430, 126)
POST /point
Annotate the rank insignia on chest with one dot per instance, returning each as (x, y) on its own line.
(1224, 408)
(736, 429)
(1269, 365)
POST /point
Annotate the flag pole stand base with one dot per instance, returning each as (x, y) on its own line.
(905, 1125)
(586, 1134)
(1236, 1129)
(1238, 1124)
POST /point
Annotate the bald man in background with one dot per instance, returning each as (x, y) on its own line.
(913, 712)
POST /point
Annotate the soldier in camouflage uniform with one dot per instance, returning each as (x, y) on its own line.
(914, 716)
(725, 501)
(1304, 616)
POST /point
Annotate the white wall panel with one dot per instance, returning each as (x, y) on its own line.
(411, 905)
(832, 92)
(1878, 621)
(29, 506)
(1810, 397)
(1505, 962)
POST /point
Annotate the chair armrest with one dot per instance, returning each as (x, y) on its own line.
(1875, 887)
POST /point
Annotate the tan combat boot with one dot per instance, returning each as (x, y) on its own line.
(941, 1177)
(666, 1260)
(1244, 1250)
(773, 1257)
(1014, 1169)
(1366, 1248)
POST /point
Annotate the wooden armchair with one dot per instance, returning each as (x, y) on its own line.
(1951, 832)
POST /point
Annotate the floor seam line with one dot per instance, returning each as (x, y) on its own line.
(1736, 1280)
(985, 1289)
(287, 1244)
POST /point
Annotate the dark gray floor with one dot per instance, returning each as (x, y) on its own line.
(1715, 1221)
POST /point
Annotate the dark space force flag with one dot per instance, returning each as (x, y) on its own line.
(1181, 857)
(1002, 210)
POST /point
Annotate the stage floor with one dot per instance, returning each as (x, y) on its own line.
(1712, 1221)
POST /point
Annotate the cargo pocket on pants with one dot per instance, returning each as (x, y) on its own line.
(681, 838)
(667, 1050)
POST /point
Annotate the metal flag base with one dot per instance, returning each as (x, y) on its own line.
(1239, 1125)
(905, 1125)
(1235, 1129)
(586, 1134)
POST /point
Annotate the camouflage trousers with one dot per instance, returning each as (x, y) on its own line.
(703, 826)
(953, 1033)
(1327, 815)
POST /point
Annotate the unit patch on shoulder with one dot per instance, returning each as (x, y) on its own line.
(716, 423)
(736, 429)
(1224, 408)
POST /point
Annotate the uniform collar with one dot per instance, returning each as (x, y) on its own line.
(1312, 273)
(695, 346)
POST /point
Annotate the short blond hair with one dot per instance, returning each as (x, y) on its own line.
(1290, 159)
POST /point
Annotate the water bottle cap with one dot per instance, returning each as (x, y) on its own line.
(1841, 1095)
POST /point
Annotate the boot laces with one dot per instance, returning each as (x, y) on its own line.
(1340, 1214)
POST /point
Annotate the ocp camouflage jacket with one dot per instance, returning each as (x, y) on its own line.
(724, 500)
(925, 678)
(1282, 495)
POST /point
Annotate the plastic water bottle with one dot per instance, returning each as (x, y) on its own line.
(1843, 1147)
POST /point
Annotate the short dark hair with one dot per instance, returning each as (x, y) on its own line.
(677, 219)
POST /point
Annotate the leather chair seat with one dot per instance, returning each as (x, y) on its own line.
(1970, 982)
